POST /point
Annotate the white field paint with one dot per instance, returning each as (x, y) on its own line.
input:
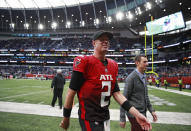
(41, 102)
(11, 100)
(23, 95)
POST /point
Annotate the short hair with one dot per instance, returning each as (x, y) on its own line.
(138, 57)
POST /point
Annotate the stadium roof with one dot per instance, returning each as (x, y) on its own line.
(43, 4)
(31, 15)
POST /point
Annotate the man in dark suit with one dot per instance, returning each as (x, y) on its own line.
(57, 88)
(137, 93)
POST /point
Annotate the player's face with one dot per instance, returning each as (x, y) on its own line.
(101, 44)
(142, 65)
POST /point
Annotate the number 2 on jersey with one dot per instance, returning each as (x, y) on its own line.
(104, 94)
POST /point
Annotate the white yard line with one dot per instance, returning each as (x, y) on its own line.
(22, 95)
(24, 87)
(47, 110)
(173, 91)
(11, 100)
(5, 88)
(41, 102)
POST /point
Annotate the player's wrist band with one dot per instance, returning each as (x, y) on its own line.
(67, 112)
(126, 105)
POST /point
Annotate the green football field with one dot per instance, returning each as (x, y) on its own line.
(39, 92)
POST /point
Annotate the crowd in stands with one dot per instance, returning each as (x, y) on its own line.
(172, 71)
(48, 44)
(172, 38)
(117, 44)
(86, 42)
(20, 71)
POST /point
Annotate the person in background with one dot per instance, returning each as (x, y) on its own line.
(136, 93)
(57, 87)
(157, 82)
(180, 83)
(165, 83)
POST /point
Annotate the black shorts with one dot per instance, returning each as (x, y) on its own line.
(94, 125)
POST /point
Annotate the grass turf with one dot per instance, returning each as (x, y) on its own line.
(37, 91)
(176, 88)
(23, 122)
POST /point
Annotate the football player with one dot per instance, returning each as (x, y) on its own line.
(94, 79)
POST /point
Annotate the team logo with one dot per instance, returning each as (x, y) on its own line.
(77, 62)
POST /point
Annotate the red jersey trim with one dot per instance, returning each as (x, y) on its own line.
(82, 109)
(87, 124)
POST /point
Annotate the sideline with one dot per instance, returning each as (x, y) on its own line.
(46, 110)
(171, 90)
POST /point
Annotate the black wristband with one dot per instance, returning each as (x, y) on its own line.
(126, 105)
(67, 112)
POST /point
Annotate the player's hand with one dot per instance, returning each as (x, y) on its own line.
(65, 123)
(154, 116)
(143, 122)
(122, 124)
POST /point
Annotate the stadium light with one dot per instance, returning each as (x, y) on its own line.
(129, 15)
(148, 6)
(158, 1)
(54, 25)
(12, 25)
(96, 21)
(82, 23)
(119, 15)
(68, 24)
(26, 26)
(108, 19)
(40, 26)
(138, 11)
